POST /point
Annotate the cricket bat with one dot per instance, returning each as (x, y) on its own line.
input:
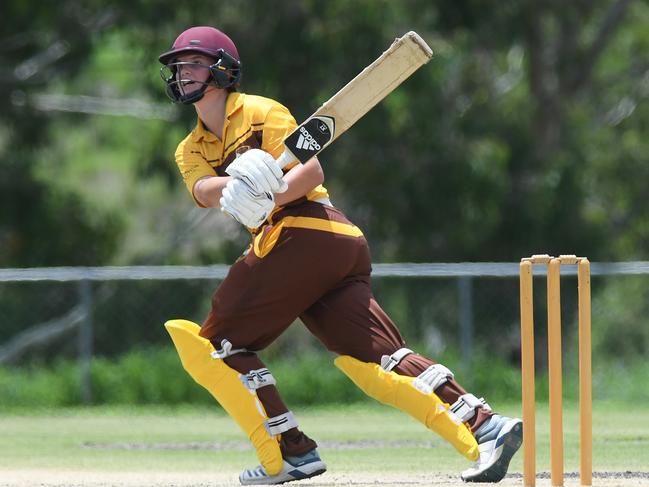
(406, 54)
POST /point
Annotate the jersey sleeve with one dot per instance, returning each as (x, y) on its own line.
(278, 125)
(192, 165)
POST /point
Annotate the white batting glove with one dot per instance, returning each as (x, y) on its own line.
(259, 170)
(245, 205)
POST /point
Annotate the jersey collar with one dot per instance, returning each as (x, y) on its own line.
(233, 104)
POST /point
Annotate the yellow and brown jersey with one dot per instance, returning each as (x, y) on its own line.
(251, 122)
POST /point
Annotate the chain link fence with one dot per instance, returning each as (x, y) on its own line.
(471, 309)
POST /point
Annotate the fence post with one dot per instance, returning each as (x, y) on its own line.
(465, 304)
(85, 339)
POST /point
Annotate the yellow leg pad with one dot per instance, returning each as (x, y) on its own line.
(224, 384)
(398, 391)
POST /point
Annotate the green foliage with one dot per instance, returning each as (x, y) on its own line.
(40, 225)
(621, 331)
(312, 379)
(155, 376)
(40, 387)
(152, 376)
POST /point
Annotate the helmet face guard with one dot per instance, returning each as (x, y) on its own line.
(224, 73)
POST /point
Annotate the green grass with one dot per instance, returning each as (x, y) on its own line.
(93, 439)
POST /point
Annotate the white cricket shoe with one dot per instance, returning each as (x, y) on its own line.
(295, 468)
(498, 440)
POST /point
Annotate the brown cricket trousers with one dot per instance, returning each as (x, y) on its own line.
(323, 278)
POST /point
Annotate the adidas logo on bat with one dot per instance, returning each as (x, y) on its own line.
(306, 141)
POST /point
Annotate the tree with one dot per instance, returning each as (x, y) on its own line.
(39, 225)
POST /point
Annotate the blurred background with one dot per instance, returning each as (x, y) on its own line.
(526, 133)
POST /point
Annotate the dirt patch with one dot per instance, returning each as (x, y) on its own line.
(48, 478)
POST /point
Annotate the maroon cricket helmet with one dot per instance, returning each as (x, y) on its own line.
(225, 70)
(203, 40)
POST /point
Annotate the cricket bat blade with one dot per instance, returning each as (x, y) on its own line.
(405, 56)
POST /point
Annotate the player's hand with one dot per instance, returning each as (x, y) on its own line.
(259, 170)
(245, 205)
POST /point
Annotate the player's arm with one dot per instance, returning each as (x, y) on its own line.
(209, 189)
(199, 176)
(301, 179)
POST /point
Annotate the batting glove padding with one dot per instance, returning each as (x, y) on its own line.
(259, 170)
(245, 205)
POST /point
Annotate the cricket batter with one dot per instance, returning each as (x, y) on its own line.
(306, 260)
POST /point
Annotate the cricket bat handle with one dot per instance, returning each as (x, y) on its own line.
(285, 159)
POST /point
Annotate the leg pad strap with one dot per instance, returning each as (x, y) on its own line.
(465, 406)
(389, 362)
(258, 378)
(433, 377)
(225, 350)
(281, 424)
